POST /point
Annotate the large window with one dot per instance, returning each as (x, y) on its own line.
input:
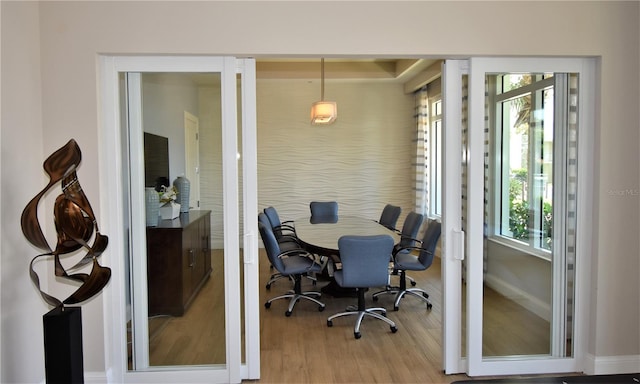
(435, 156)
(429, 150)
(524, 119)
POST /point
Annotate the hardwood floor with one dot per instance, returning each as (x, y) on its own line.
(302, 349)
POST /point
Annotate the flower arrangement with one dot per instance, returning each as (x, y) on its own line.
(167, 194)
(169, 209)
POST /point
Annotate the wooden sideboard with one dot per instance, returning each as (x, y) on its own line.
(178, 261)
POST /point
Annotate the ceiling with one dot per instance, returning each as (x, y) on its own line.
(343, 68)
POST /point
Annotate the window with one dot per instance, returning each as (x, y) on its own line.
(523, 165)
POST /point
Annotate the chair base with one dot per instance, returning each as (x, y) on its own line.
(411, 279)
(401, 291)
(294, 299)
(295, 295)
(361, 312)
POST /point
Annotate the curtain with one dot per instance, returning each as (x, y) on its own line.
(421, 162)
(572, 173)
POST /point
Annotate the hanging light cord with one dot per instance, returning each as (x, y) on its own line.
(322, 79)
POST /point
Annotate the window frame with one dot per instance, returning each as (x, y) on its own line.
(499, 171)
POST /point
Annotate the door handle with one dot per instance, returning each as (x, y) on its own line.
(458, 244)
(192, 262)
(248, 254)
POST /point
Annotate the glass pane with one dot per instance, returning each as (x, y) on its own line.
(181, 117)
(529, 225)
(513, 80)
(241, 213)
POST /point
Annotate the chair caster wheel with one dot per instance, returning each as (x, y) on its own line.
(425, 295)
(287, 313)
(395, 308)
(394, 329)
(267, 305)
(268, 286)
(321, 308)
(413, 283)
(375, 298)
(357, 335)
(329, 323)
(429, 306)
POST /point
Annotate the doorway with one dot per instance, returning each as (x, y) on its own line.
(512, 229)
(232, 83)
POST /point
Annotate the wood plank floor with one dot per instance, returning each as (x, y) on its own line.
(302, 349)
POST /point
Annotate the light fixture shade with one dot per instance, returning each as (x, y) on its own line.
(324, 112)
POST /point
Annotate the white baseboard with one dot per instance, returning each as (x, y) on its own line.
(611, 365)
(95, 378)
(521, 297)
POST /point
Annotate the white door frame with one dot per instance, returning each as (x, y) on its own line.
(115, 220)
(454, 246)
(192, 171)
(452, 252)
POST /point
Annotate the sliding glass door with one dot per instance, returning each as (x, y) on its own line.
(185, 313)
(519, 137)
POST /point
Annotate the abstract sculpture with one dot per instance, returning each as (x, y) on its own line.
(75, 225)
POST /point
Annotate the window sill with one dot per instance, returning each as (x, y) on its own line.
(544, 255)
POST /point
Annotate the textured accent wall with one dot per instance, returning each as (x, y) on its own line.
(362, 161)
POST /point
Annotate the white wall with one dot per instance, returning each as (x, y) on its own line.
(164, 100)
(49, 59)
(22, 178)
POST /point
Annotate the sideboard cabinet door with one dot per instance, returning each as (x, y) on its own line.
(178, 262)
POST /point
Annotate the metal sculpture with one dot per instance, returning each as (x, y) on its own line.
(75, 225)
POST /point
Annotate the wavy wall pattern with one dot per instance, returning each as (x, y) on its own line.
(363, 161)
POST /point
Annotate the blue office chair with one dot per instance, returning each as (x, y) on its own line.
(389, 216)
(324, 211)
(365, 263)
(294, 263)
(284, 230)
(409, 232)
(405, 259)
(408, 236)
(286, 243)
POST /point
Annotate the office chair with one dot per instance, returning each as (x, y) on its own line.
(324, 211)
(406, 260)
(365, 263)
(294, 263)
(408, 236)
(287, 244)
(389, 216)
(284, 230)
(409, 232)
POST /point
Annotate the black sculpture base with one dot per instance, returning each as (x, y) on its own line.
(63, 345)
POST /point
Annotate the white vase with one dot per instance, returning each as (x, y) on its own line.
(152, 205)
(183, 185)
(170, 211)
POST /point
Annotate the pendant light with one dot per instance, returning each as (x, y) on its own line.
(323, 112)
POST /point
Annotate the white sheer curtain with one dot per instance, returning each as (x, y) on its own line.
(421, 138)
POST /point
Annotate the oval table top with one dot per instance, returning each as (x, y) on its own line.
(322, 237)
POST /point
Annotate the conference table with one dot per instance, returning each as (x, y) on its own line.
(320, 236)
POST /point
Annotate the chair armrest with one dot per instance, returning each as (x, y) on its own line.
(285, 227)
(412, 248)
(386, 226)
(296, 252)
